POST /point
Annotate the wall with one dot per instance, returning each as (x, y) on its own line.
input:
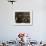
(9, 31)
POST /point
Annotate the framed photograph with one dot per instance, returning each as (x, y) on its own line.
(23, 17)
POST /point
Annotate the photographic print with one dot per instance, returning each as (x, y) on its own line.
(23, 17)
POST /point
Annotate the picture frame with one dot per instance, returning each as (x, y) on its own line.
(23, 18)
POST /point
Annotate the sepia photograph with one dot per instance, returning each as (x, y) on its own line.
(23, 18)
